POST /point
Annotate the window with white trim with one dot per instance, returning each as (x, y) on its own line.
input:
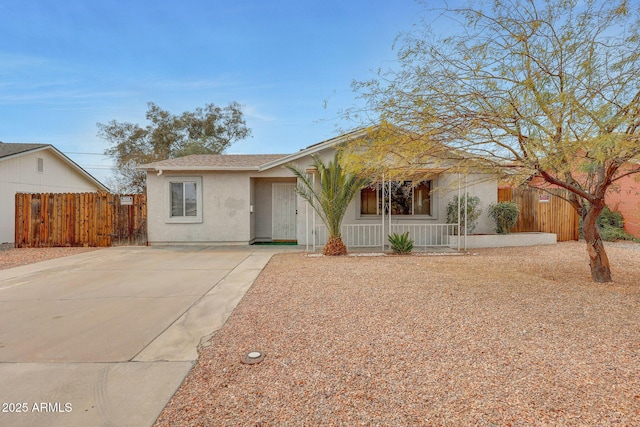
(406, 199)
(40, 165)
(185, 199)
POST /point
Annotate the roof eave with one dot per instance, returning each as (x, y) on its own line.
(313, 149)
(197, 168)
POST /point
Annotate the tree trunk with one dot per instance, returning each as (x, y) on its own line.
(598, 260)
(334, 246)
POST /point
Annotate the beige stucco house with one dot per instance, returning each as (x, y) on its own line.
(245, 199)
(36, 168)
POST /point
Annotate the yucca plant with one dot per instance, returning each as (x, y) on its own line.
(401, 243)
(330, 198)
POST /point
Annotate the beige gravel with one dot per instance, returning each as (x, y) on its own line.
(14, 257)
(512, 336)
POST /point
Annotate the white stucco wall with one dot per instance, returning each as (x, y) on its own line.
(227, 198)
(225, 209)
(485, 187)
(20, 174)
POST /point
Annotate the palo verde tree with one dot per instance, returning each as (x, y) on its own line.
(208, 130)
(335, 189)
(547, 89)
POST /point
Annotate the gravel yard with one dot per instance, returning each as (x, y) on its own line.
(12, 257)
(512, 336)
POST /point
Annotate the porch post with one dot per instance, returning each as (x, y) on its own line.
(313, 218)
(459, 206)
(389, 208)
(382, 228)
(306, 226)
(466, 212)
(389, 198)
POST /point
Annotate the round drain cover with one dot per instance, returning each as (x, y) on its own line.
(253, 357)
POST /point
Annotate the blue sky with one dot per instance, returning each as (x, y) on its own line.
(67, 65)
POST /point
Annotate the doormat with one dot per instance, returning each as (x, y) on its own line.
(276, 243)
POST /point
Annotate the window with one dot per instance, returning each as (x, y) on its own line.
(183, 199)
(40, 165)
(369, 201)
(185, 195)
(406, 199)
(422, 198)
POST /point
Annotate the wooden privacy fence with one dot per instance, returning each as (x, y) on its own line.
(543, 211)
(80, 219)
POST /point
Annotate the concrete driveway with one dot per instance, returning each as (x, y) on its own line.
(105, 338)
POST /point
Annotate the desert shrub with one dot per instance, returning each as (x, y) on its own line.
(609, 218)
(505, 214)
(611, 226)
(472, 212)
(401, 243)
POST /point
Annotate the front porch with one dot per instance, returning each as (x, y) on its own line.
(427, 237)
(375, 235)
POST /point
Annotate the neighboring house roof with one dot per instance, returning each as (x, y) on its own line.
(11, 150)
(7, 150)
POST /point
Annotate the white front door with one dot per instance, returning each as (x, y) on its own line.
(283, 211)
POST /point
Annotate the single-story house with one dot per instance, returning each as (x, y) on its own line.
(245, 199)
(36, 168)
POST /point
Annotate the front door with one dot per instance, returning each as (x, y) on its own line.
(284, 211)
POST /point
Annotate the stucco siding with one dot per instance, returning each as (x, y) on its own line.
(483, 186)
(20, 174)
(226, 198)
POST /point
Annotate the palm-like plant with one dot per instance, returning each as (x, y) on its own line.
(335, 190)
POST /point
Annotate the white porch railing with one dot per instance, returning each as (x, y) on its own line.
(354, 235)
(373, 235)
(362, 235)
(426, 235)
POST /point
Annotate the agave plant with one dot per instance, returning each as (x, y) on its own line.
(330, 198)
(401, 243)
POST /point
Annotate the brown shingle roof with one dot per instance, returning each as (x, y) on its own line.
(9, 149)
(216, 161)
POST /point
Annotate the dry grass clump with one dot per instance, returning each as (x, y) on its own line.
(513, 336)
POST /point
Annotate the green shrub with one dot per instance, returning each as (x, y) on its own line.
(609, 218)
(472, 212)
(611, 226)
(401, 243)
(505, 214)
(611, 234)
